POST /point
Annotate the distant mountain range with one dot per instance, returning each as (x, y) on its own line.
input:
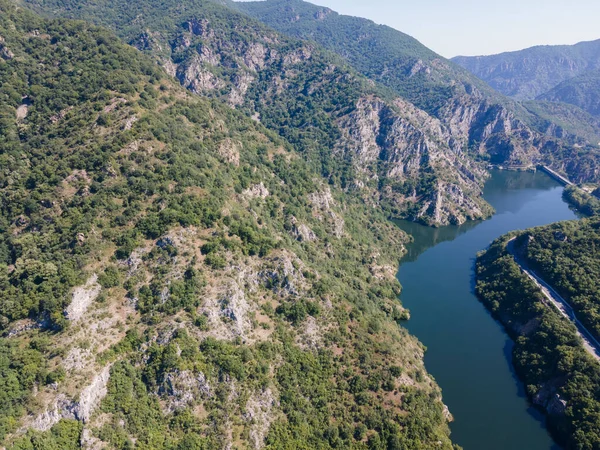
(563, 73)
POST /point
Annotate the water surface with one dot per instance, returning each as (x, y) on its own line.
(468, 353)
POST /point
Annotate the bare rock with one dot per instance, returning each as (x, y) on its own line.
(230, 151)
(259, 413)
(207, 56)
(89, 442)
(283, 275)
(256, 191)
(22, 112)
(241, 83)
(183, 388)
(199, 28)
(255, 56)
(302, 232)
(322, 200)
(77, 359)
(82, 298)
(556, 406)
(194, 76)
(92, 395)
(301, 55)
(228, 312)
(5, 52)
(129, 122)
(322, 14)
(62, 408)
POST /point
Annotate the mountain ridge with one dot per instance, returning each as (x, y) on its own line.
(526, 74)
(174, 275)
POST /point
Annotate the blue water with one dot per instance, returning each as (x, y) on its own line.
(468, 352)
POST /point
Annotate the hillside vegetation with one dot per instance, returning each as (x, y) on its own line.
(527, 74)
(488, 124)
(419, 156)
(560, 376)
(173, 275)
(582, 91)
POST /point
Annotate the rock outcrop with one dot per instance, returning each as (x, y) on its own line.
(82, 298)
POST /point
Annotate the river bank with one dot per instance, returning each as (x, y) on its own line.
(562, 378)
(469, 354)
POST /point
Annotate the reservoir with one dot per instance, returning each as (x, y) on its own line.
(468, 352)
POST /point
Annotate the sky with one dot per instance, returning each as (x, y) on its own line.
(481, 27)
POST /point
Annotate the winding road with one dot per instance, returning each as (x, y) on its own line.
(590, 343)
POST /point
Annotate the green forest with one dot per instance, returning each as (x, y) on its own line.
(559, 375)
(107, 166)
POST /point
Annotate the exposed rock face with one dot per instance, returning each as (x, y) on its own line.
(228, 312)
(255, 56)
(302, 232)
(5, 52)
(196, 78)
(92, 395)
(89, 442)
(183, 388)
(256, 191)
(77, 359)
(230, 151)
(62, 408)
(259, 413)
(241, 84)
(283, 274)
(549, 399)
(83, 297)
(410, 144)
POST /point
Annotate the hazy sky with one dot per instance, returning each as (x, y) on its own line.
(481, 27)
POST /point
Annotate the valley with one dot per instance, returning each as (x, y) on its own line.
(203, 206)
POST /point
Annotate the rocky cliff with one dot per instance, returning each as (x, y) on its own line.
(175, 275)
(475, 116)
(418, 166)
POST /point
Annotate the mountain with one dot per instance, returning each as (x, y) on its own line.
(529, 73)
(357, 135)
(174, 275)
(420, 156)
(582, 91)
(478, 117)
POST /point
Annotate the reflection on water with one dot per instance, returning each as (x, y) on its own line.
(498, 188)
(468, 352)
(427, 237)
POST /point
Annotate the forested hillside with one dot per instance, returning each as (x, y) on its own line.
(561, 378)
(415, 161)
(567, 257)
(527, 74)
(582, 91)
(484, 121)
(173, 275)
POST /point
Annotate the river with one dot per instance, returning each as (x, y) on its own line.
(468, 352)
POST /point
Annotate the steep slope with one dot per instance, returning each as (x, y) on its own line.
(561, 378)
(358, 136)
(582, 91)
(175, 276)
(529, 73)
(476, 116)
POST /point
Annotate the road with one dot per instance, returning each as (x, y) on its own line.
(590, 343)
